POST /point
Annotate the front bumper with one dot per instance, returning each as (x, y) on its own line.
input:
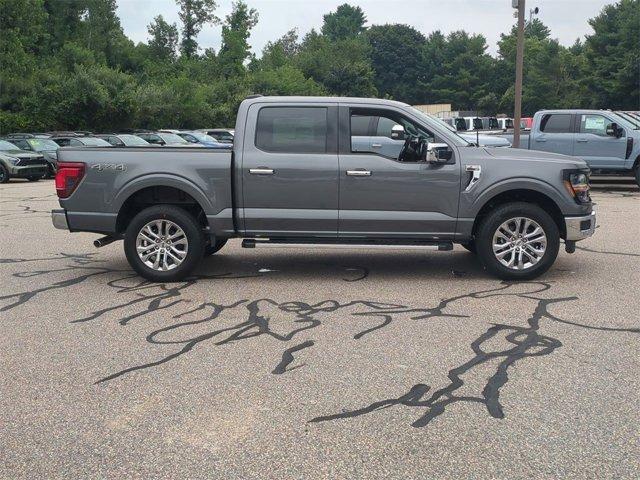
(579, 228)
(26, 171)
(59, 219)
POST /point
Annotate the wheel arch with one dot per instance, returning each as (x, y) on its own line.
(158, 193)
(527, 195)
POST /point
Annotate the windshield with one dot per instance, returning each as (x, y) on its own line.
(428, 117)
(630, 119)
(4, 145)
(43, 144)
(171, 138)
(132, 140)
(94, 142)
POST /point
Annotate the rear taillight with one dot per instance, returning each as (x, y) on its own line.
(68, 177)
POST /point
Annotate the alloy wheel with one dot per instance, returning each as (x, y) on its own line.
(519, 243)
(162, 245)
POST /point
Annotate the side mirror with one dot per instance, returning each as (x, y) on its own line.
(397, 132)
(438, 153)
(613, 130)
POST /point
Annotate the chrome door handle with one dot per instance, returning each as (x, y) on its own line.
(376, 145)
(582, 140)
(541, 139)
(261, 171)
(358, 173)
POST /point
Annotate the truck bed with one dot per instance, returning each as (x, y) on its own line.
(112, 175)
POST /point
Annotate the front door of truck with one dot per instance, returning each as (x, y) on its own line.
(290, 170)
(597, 148)
(383, 197)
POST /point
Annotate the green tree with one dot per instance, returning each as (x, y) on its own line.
(612, 55)
(236, 30)
(397, 61)
(345, 22)
(194, 14)
(550, 72)
(163, 43)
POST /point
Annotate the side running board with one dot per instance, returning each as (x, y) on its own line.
(293, 243)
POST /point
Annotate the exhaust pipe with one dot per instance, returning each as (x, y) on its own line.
(101, 242)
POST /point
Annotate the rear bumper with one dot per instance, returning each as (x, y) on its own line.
(59, 219)
(579, 228)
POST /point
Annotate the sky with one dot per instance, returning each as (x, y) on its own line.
(567, 19)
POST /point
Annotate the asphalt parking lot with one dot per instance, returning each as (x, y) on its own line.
(317, 364)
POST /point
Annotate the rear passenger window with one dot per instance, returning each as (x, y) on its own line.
(292, 129)
(556, 123)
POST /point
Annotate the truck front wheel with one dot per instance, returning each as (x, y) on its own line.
(637, 174)
(518, 241)
(164, 243)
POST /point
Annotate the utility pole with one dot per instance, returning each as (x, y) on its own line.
(517, 109)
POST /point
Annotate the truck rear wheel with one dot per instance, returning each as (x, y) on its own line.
(164, 243)
(518, 241)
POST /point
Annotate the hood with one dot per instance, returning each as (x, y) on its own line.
(535, 155)
(486, 140)
(20, 154)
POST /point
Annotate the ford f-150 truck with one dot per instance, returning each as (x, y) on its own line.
(299, 176)
(608, 141)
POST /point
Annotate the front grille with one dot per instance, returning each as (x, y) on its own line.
(23, 162)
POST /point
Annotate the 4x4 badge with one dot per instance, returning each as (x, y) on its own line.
(118, 167)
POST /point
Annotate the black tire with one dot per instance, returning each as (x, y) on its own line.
(4, 174)
(488, 227)
(210, 249)
(470, 245)
(34, 179)
(192, 231)
(637, 172)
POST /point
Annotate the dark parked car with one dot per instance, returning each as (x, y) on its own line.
(199, 138)
(124, 140)
(78, 141)
(16, 163)
(38, 143)
(164, 138)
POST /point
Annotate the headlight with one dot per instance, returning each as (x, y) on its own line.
(13, 160)
(577, 184)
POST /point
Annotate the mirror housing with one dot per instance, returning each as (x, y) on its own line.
(397, 132)
(438, 153)
(613, 130)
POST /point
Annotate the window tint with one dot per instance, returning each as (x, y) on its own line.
(360, 125)
(384, 127)
(292, 129)
(596, 124)
(556, 123)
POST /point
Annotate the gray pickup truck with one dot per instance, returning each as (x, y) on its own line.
(298, 176)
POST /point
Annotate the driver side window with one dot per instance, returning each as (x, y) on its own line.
(388, 134)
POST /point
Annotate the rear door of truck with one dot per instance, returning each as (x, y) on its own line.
(290, 169)
(553, 133)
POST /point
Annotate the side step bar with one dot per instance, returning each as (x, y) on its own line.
(291, 243)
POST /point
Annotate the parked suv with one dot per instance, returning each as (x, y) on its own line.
(16, 163)
(40, 144)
